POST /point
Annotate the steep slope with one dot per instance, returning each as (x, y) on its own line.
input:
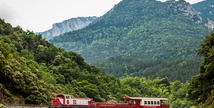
(33, 71)
(206, 11)
(146, 29)
(67, 26)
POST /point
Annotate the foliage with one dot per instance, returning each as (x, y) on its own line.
(201, 89)
(175, 91)
(138, 29)
(33, 70)
(122, 66)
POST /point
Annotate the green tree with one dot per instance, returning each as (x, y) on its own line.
(201, 87)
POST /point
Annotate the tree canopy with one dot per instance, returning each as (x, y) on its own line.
(201, 89)
(33, 70)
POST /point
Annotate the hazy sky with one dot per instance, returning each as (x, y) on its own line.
(39, 15)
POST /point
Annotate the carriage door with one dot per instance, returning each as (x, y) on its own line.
(137, 103)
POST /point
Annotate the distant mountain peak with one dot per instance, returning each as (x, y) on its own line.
(67, 26)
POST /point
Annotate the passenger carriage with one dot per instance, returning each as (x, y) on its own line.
(66, 101)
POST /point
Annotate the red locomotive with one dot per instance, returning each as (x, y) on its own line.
(65, 101)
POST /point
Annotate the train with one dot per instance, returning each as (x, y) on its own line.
(66, 101)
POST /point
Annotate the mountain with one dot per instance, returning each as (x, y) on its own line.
(67, 26)
(148, 30)
(206, 11)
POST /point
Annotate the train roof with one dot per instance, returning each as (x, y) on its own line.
(143, 98)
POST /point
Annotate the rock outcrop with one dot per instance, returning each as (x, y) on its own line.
(67, 26)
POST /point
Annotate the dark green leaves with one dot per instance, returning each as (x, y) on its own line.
(201, 87)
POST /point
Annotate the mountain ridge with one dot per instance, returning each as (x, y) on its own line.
(138, 28)
(67, 26)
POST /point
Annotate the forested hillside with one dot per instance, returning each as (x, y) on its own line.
(163, 36)
(123, 66)
(33, 70)
(201, 90)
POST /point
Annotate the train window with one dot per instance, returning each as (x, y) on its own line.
(158, 102)
(74, 101)
(151, 102)
(67, 97)
(148, 102)
(155, 102)
(145, 102)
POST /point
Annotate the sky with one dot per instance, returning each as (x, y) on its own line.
(39, 15)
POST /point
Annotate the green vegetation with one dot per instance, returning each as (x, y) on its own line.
(201, 89)
(138, 29)
(160, 87)
(123, 66)
(33, 71)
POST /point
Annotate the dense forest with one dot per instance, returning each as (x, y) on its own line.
(123, 66)
(163, 43)
(33, 71)
(153, 54)
(201, 89)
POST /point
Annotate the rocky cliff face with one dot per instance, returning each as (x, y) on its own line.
(67, 26)
(184, 7)
(210, 24)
